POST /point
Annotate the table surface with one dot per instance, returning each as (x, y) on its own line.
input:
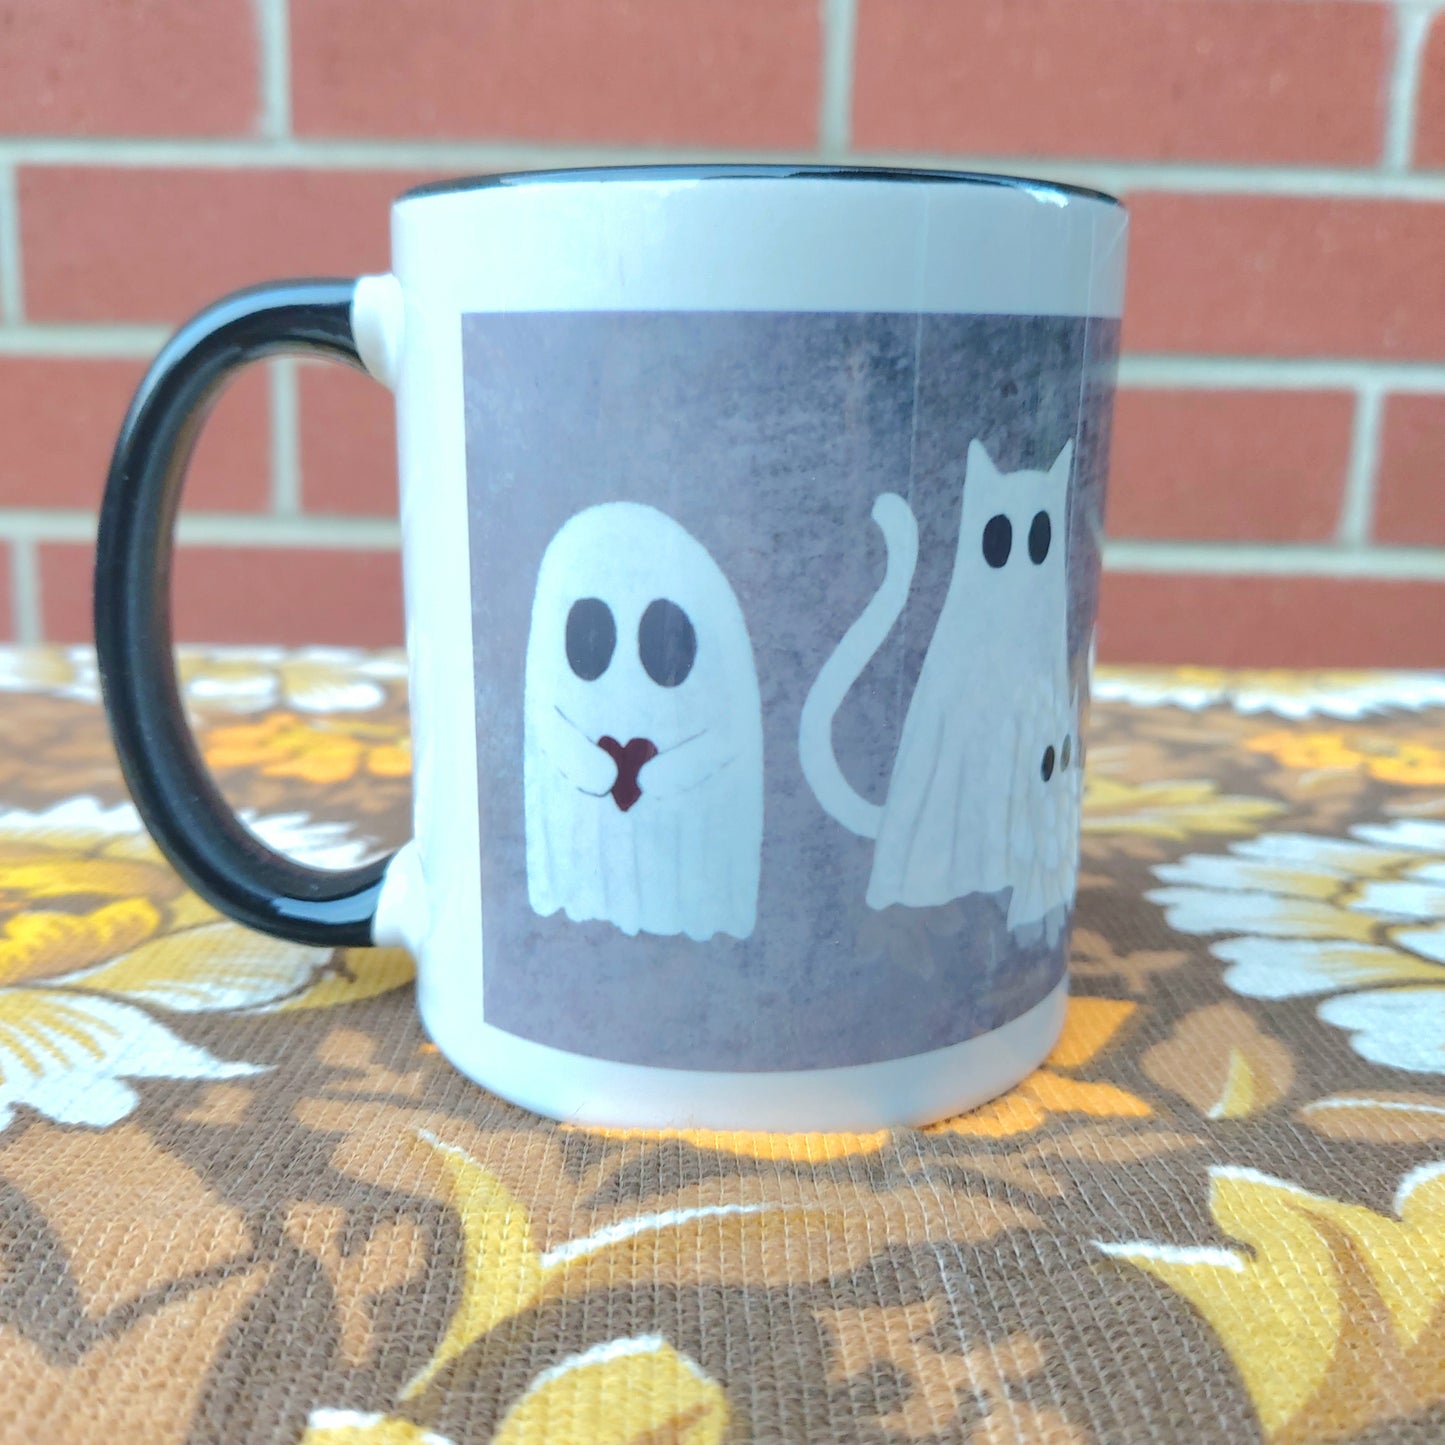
(242, 1198)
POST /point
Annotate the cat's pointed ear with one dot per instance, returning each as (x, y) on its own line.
(980, 464)
(1059, 472)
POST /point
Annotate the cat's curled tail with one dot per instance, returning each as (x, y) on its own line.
(815, 728)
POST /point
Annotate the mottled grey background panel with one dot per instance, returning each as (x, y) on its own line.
(768, 436)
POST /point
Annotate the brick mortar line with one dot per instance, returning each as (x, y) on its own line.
(360, 534)
(1325, 182)
(1282, 373)
(839, 20)
(1165, 370)
(25, 616)
(99, 341)
(368, 534)
(1202, 178)
(1357, 502)
(1270, 559)
(273, 34)
(206, 529)
(12, 288)
(1402, 80)
(285, 412)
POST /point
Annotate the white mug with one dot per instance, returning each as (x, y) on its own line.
(751, 522)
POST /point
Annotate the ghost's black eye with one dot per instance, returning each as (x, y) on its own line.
(998, 540)
(591, 638)
(1041, 533)
(1047, 766)
(666, 643)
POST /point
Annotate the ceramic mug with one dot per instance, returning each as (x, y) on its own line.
(751, 524)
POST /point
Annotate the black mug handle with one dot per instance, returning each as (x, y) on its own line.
(181, 806)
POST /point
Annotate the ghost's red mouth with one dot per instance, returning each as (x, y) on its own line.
(629, 758)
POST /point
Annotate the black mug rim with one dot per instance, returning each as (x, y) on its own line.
(745, 172)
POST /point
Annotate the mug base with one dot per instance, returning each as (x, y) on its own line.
(893, 1093)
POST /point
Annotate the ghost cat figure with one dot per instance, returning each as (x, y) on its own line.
(642, 736)
(984, 792)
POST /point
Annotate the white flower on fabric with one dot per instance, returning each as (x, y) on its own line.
(1361, 919)
(97, 933)
(56, 672)
(1294, 695)
(310, 841)
(312, 679)
(226, 679)
(68, 1057)
(74, 815)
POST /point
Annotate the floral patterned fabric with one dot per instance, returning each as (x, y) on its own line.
(243, 1198)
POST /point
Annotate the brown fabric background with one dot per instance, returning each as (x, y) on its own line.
(1190, 1225)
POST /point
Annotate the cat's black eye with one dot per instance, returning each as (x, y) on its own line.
(1066, 752)
(998, 540)
(1041, 533)
(1047, 766)
(666, 642)
(591, 638)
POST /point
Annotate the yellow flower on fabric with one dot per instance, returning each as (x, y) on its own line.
(353, 1427)
(1416, 765)
(505, 1272)
(311, 750)
(793, 1148)
(1089, 1027)
(1391, 760)
(1361, 918)
(1174, 810)
(622, 1392)
(1331, 1311)
(634, 1391)
(96, 933)
(1306, 752)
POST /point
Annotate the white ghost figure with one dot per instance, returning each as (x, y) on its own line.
(985, 788)
(643, 736)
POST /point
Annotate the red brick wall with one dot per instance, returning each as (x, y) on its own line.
(1279, 483)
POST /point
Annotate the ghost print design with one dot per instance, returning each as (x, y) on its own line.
(642, 736)
(985, 787)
